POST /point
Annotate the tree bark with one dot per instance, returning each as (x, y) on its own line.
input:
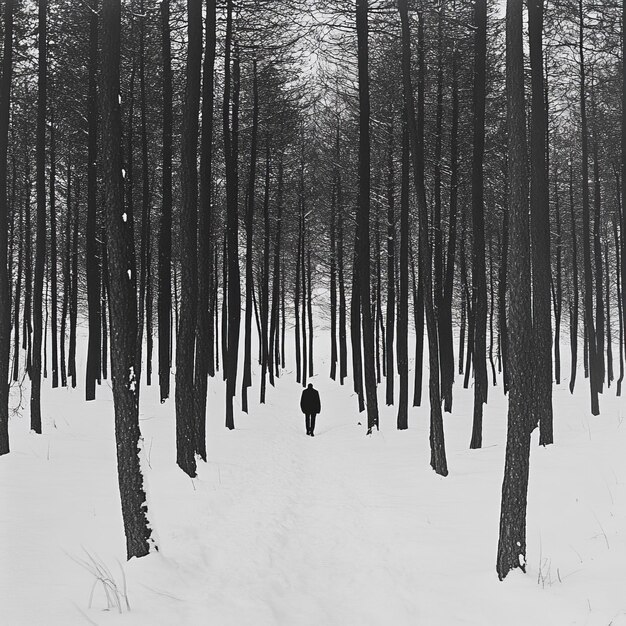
(5, 288)
(123, 305)
(512, 537)
(185, 339)
(165, 227)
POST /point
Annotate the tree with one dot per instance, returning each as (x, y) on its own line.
(363, 239)
(5, 289)
(437, 445)
(123, 296)
(540, 228)
(512, 537)
(185, 339)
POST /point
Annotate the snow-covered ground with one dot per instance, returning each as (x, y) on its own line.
(340, 529)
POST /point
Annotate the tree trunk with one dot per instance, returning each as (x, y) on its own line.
(185, 339)
(249, 224)
(53, 259)
(591, 345)
(403, 292)
(391, 277)
(558, 293)
(540, 230)
(5, 288)
(123, 305)
(41, 234)
(573, 312)
(92, 261)
(165, 228)
(363, 215)
(512, 537)
(479, 285)
(437, 444)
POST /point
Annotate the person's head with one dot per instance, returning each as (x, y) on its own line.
(310, 385)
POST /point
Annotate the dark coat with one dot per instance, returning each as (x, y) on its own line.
(310, 401)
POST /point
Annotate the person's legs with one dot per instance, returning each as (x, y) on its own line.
(312, 427)
(307, 420)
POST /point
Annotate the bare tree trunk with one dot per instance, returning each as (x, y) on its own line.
(5, 288)
(573, 312)
(41, 235)
(91, 236)
(403, 294)
(512, 537)
(185, 339)
(391, 277)
(53, 258)
(437, 444)
(165, 227)
(124, 366)
(594, 381)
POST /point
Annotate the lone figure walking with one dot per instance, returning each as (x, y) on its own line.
(310, 405)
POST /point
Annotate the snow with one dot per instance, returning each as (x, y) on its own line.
(339, 529)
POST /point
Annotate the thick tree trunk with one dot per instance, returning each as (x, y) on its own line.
(437, 445)
(249, 225)
(363, 215)
(540, 230)
(41, 234)
(53, 259)
(123, 305)
(165, 227)
(403, 292)
(185, 339)
(391, 277)
(591, 345)
(512, 537)
(446, 339)
(91, 235)
(573, 311)
(558, 291)
(205, 356)
(479, 284)
(5, 288)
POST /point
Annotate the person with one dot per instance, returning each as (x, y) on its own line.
(311, 406)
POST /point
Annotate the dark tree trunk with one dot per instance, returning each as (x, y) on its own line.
(249, 224)
(309, 284)
(265, 282)
(446, 345)
(355, 336)
(479, 284)
(205, 336)
(502, 288)
(597, 249)
(71, 360)
(540, 230)
(591, 345)
(92, 261)
(232, 226)
(343, 347)
(363, 239)
(573, 311)
(418, 323)
(5, 288)
(27, 331)
(391, 277)
(333, 272)
(18, 289)
(558, 291)
(185, 339)
(619, 287)
(609, 338)
(512, 537)
(437, 445)
(622, 196)
(403, 292)
(274, 354)
(144, 268)
(123, 305)
(53, 259)
(296, 304)
(165, 227)
(41, 234)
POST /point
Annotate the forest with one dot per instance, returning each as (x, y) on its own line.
(212, 193)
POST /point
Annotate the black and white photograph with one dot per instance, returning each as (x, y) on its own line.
(312, 312)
